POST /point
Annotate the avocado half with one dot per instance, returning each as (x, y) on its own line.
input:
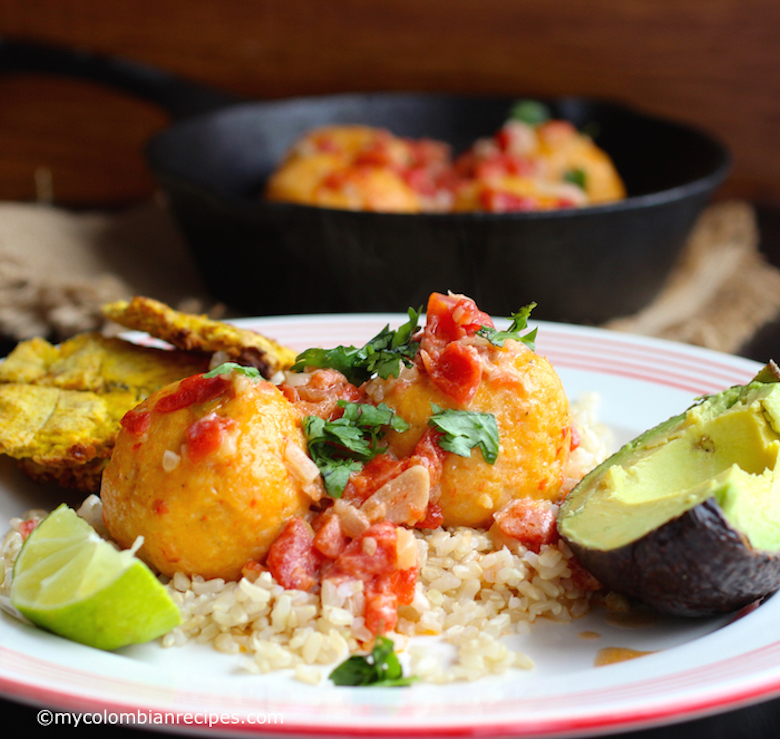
(686, 517)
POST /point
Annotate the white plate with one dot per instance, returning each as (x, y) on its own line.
(696, 668)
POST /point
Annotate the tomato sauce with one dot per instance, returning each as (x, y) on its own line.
(376, 473)
(194, 390)
(321, 393)
(206, 435)
(372, 559)
(292, 559)
(454, 368)
(530, 522)
(136, 422)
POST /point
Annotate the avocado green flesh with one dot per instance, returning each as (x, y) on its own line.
(726, 448)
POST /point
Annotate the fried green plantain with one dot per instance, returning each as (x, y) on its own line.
(61, 406)
(99, 364)
(59, 430)
(200, 333)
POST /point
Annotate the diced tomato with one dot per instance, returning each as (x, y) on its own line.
(330, 540)
(503, 165)
(292, 559)
(206, 435)
(420, 180)
(380, 470)
(434, 517)
(449, 318)
(430, 455)
(364, 559)
(26, 527)
(381, 614)
(337, 179)
(428, 153)
(136, 422)
(576, 439)
(377, 155)
(194, 390)
(492, 169)
(464, 165)
(372, 558)
(457, 372)
(500, 201)
(402, 583)
(321, 394)
(383, 596)
(502, 139)
(455, 368)
(450, 180)
(529, 521)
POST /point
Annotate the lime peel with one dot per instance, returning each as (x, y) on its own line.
(68, 580)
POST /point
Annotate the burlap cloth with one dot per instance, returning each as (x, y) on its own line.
(57, 267)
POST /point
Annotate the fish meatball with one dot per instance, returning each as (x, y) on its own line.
(207, 470)
(526, 396)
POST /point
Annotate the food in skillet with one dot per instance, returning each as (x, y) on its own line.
(539, 166)
(61, 406)
(532, 163)
(363, 168)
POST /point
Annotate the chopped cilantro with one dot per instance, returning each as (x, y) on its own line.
(382, 355)
(531, 112)
(227, 367)
(380, 668)
(576, 177)
(343, 446)
(519, 323)
(464, 430)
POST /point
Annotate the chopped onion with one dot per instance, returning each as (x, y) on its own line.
(170, 460)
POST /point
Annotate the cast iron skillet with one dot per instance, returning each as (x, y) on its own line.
(580, 265)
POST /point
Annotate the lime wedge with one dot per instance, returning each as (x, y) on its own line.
(70, 581)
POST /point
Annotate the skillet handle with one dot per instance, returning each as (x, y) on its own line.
(176, 95)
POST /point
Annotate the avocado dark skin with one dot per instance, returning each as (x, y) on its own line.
(695, 565)
(685, 517)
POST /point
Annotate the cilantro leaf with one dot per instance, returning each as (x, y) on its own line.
(227, 367)
(464, 430)
(576, 177)
(343, 446)
(372, 417)
(519, 323)
(341, 358)
(380, 668)
(531, 112)
(382, 355)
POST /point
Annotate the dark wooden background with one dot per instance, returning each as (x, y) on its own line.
(714, 63)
